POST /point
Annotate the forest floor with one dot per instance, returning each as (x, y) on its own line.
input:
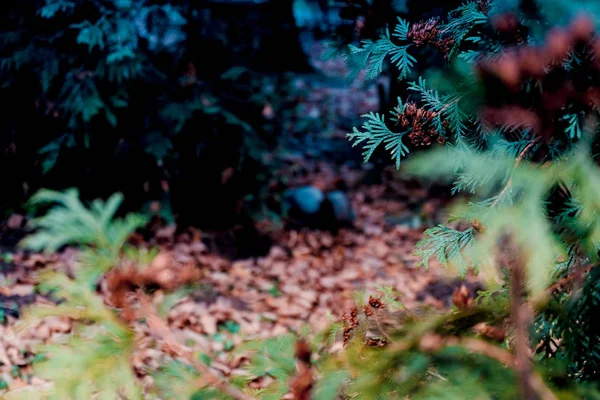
(307, 277)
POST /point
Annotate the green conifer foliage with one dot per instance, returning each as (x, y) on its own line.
(528, 165)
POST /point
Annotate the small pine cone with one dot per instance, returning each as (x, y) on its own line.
(376, 302)
(478, 226)
(411, 109)
(424, 32)
(422, 138)
(403, 120)
(490, 332)
(444, 46)
(350, 324)
(462, 298)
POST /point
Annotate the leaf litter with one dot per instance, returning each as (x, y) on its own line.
(308, 277)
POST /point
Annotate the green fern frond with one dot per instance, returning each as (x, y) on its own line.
(70, 222)
(498, 149)
(272, 357)
(376, 133)
(95, 228)
(334, 331)
(457, 119)
(471, 181)
(470, 56)
(513, 149)
(430, 97)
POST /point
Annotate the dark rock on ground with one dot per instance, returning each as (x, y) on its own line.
(308, 206)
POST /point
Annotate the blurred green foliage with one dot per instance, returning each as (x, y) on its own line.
(118, 95)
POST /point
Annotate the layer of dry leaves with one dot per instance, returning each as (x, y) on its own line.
(307, 277)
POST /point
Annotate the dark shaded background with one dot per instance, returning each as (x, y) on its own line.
(183, 106)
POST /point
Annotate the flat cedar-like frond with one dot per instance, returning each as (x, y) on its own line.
(401, 29)
(445, 245)
(328, 388)
(372, 54)
(534, 203)
(431, 98)
(376, 133)
(461, 22)
(95, 365)
(445, 106)
(525, 218)
(573, 129)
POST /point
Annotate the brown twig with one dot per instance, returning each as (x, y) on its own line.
(575, 276)
(521, 315)
(159, 328)
(489, 350)
(517, 162)
(540, 301)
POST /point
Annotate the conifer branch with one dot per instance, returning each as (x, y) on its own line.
(433, 342)
(517, 162)
(503, 356)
